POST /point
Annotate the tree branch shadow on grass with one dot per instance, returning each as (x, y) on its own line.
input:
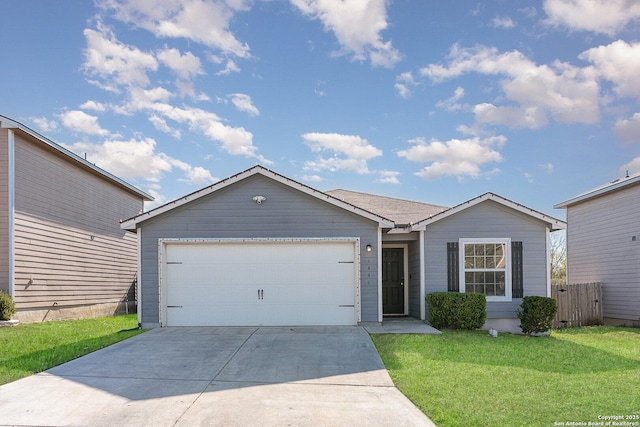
(12, 369)
(545, 354)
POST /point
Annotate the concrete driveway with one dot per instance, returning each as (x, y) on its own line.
(297, 376)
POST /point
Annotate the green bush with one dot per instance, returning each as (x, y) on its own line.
(457, 310)
(7, 307)
(536, 314)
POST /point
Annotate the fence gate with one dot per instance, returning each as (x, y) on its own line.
(579, 304)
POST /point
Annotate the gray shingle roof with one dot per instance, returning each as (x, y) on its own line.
(398, 210)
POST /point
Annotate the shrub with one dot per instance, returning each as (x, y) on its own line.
(457, 310)
(7, 307)
(536, 314)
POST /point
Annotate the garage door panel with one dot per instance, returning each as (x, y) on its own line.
(248, 283)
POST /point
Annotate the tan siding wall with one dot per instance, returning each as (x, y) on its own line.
(601, 248)
(61, 265)
(59, 207)
(4, 210)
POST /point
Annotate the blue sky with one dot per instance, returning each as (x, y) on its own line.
(435, 101)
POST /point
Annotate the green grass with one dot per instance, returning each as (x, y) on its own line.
(31, 348)
(466, 378)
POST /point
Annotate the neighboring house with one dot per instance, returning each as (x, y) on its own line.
(62, 251)
(261, 249)
(603, 245)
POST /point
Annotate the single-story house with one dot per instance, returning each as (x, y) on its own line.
(603, 245)
(62, 251)
(259, 248)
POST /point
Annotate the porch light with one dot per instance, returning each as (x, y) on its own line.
(369, 248)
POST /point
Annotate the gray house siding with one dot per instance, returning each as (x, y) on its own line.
(231, 213)
(603, 245)
(4, 210)
(489, 220)
(69, 248)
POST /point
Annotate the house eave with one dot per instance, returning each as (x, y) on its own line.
(592, 194)
(554, 224)
(132, 223)
(8, 123)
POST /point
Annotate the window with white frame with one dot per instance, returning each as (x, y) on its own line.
(485, 267)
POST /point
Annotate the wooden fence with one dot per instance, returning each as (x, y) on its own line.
(579, 304)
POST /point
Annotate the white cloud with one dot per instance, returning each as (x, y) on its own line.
(200, 176)
(503, 22)
(312, 178)
(94, 106)
(127, 159)
(357, 25)
(547, 167)
(628, 130)
(451, 104)
(632, 167)
(161, 124)
(243, 103)
(600, 16)
(44, 124)
(114, 62)
(230, 67)
(154, 102)
(514, 117)
(79, 121)
(202, 21)
(456, 157)
(234, 140)
(159, 199)
(404, 83)
(529, 177)
(138, 159)
(350, 152)
(566, 93)
(186, 66)
(618, 62)
(388, 177)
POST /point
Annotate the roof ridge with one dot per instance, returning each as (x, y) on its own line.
(386, 197)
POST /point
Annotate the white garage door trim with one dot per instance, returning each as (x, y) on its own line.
(162, 263)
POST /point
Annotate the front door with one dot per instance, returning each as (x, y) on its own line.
(392, 281)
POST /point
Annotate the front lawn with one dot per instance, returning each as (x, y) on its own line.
(31, 348)
(467, 378)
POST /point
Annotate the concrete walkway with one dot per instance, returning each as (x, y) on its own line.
(299, 376)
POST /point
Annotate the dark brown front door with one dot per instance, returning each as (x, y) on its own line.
(392, 281)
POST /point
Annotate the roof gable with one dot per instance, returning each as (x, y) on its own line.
(615, 185)
(132, 223)
(553, 223)
(7, 123)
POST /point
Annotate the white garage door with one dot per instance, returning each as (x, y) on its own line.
(260, 282)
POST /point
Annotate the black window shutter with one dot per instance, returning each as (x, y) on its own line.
(517, 285)
(453, 267)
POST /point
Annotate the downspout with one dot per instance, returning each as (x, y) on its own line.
(422, 277)
(11, 209)
(379, 255)
(139, 276)
(548, 241)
